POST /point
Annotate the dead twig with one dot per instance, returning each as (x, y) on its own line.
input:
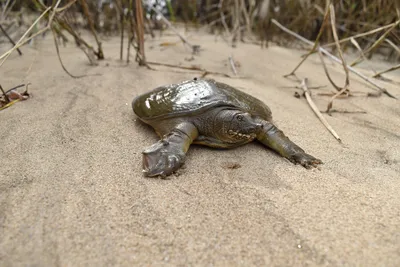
(224, 23)
(299, 87)
(10, 39)
(386, 71)
(16, 87)
(376, 43)
(361, 34)
(344, 111)
(355, 43)
(122, 21)
(326, 71)
(316, 111)
(100, 54)
(195, 48)
(21, 41)
(140, 33)
(394, 46)
(66, 26)
(131, 32)
(12, 96)
(233, 65)
(346, 70)
(59, 57)
(315, 44)
(5, 94)
(324, 51)
(196, 68)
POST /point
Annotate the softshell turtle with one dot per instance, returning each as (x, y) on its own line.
(211, 113)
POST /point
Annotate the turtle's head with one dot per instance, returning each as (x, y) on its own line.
(238, 126)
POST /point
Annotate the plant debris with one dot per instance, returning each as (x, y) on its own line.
(12, 96)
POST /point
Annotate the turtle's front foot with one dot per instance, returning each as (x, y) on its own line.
(274, 138)
(305, 160)
(162, 159)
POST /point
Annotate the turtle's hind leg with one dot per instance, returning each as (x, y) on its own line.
(168, 154)
(275, 139)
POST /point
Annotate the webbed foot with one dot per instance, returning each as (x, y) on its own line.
(274, 138)
(305, 160)
(162, 159)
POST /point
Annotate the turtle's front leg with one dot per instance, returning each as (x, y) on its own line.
(168, 154)
(275, 139)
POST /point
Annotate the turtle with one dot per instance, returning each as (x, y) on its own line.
(210, 113)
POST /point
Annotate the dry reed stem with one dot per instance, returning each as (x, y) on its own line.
(233, 65)
(5, 6)
(121, 54)
(100, 54)
(10, 39)
(394, 46)
(78, 40)
(246, 16)
(195, 48)
(236, 21)
(387, 70)
(224, 23)
(315, 45)
(361, 34)
(19, 43)
(66, 26)
(316, 110)
(140, 32)
(59, 56)
(129, 32)
(375, 44)
(4, 93)
(326, 71)
(61, 9)
(205, 72)
(344, 111)
(324, 51)
(355, 43)
(346, 70)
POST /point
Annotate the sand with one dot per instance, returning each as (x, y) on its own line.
(72, 192)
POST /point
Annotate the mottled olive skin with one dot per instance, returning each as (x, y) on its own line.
(211, 113)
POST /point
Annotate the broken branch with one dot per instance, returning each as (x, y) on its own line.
(316, 110)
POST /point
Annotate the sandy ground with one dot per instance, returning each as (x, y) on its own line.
(72, 192)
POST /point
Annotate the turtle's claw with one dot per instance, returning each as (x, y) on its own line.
(306, 160)
(162, 159)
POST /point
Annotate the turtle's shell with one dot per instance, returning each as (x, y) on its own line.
(194, 97)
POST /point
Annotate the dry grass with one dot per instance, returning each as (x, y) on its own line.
(239, 19)
(368, 26)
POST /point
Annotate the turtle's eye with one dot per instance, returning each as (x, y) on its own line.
(239, 117)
